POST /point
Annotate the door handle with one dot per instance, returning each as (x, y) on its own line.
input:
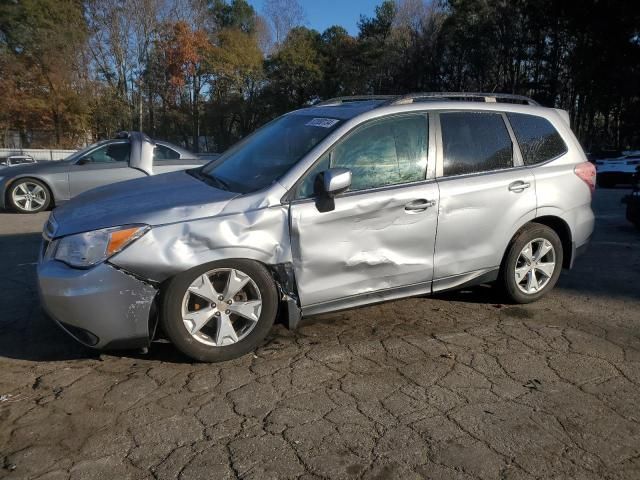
(519, 186)
(419, 205)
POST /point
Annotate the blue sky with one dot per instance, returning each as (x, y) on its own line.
(325, 13)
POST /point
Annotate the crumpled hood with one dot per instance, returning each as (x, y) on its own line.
(155, 200)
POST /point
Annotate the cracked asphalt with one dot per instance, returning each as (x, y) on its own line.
(456, 387)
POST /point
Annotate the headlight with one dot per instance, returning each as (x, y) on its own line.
(84, 250)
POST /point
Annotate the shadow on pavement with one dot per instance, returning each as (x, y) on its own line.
(26, 333)
(610, 268)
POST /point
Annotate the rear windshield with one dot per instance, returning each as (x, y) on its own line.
(269, 153)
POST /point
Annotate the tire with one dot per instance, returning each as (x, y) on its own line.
(214, 342)
(531, 235)
(28, 195)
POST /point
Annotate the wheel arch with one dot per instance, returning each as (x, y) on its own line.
(563, 231)
(559, 226)
(283, 276)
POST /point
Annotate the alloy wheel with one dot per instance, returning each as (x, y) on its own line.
(535, 266)
(29, 196)
(221, 307)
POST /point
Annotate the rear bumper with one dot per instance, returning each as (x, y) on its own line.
(579, 251)
(581, 223)
(101, 307)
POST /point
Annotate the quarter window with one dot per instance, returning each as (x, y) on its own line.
(386, 152)
(537, 138)
(475, 142)
(161, 153)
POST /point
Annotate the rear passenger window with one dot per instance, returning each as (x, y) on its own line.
(475, 142)
(537, 138)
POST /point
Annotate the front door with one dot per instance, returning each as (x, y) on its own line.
(378, 239)
(484, 194)
(104, 165)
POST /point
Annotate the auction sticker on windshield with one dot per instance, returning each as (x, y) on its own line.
(322, 122)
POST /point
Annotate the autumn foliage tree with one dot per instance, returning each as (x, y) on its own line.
(205, 73)
(185, 57)
(43, 76)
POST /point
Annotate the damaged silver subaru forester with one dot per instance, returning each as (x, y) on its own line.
(350, 202)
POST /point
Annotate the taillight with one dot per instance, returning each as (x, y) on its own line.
(587, 173)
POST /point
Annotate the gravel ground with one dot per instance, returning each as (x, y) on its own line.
(457, 387)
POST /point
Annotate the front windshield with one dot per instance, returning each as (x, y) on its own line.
(269, 153)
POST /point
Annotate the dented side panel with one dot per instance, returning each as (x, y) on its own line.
(369, 242)
(478, 217)
(259, 234)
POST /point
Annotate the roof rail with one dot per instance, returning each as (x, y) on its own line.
(354, 98)
(462, 96)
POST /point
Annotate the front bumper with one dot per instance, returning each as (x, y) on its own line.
(102, 307)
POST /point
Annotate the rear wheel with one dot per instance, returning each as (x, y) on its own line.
(533, 263)
(29, 196)
(221, 310)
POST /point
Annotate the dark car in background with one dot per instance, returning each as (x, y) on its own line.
(36, 187)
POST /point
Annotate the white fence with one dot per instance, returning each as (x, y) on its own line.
(40, 155)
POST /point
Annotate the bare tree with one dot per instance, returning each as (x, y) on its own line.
(411, 14)
(282, 16)
(264, 35)
(122, 33)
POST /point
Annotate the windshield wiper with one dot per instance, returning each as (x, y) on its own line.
(218, 181)
(209, 179)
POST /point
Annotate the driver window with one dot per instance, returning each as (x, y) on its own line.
(110, 153)
(386, 152)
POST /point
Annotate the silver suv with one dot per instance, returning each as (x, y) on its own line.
(346, 203)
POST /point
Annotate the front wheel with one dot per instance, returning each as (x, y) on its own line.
(219, 311)
(29, 196)
(532, 264)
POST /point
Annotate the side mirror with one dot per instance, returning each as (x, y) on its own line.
(83, 161)
(336, 181)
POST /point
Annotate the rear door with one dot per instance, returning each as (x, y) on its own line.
(106, 164)
(485, 191)
(376, 240)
